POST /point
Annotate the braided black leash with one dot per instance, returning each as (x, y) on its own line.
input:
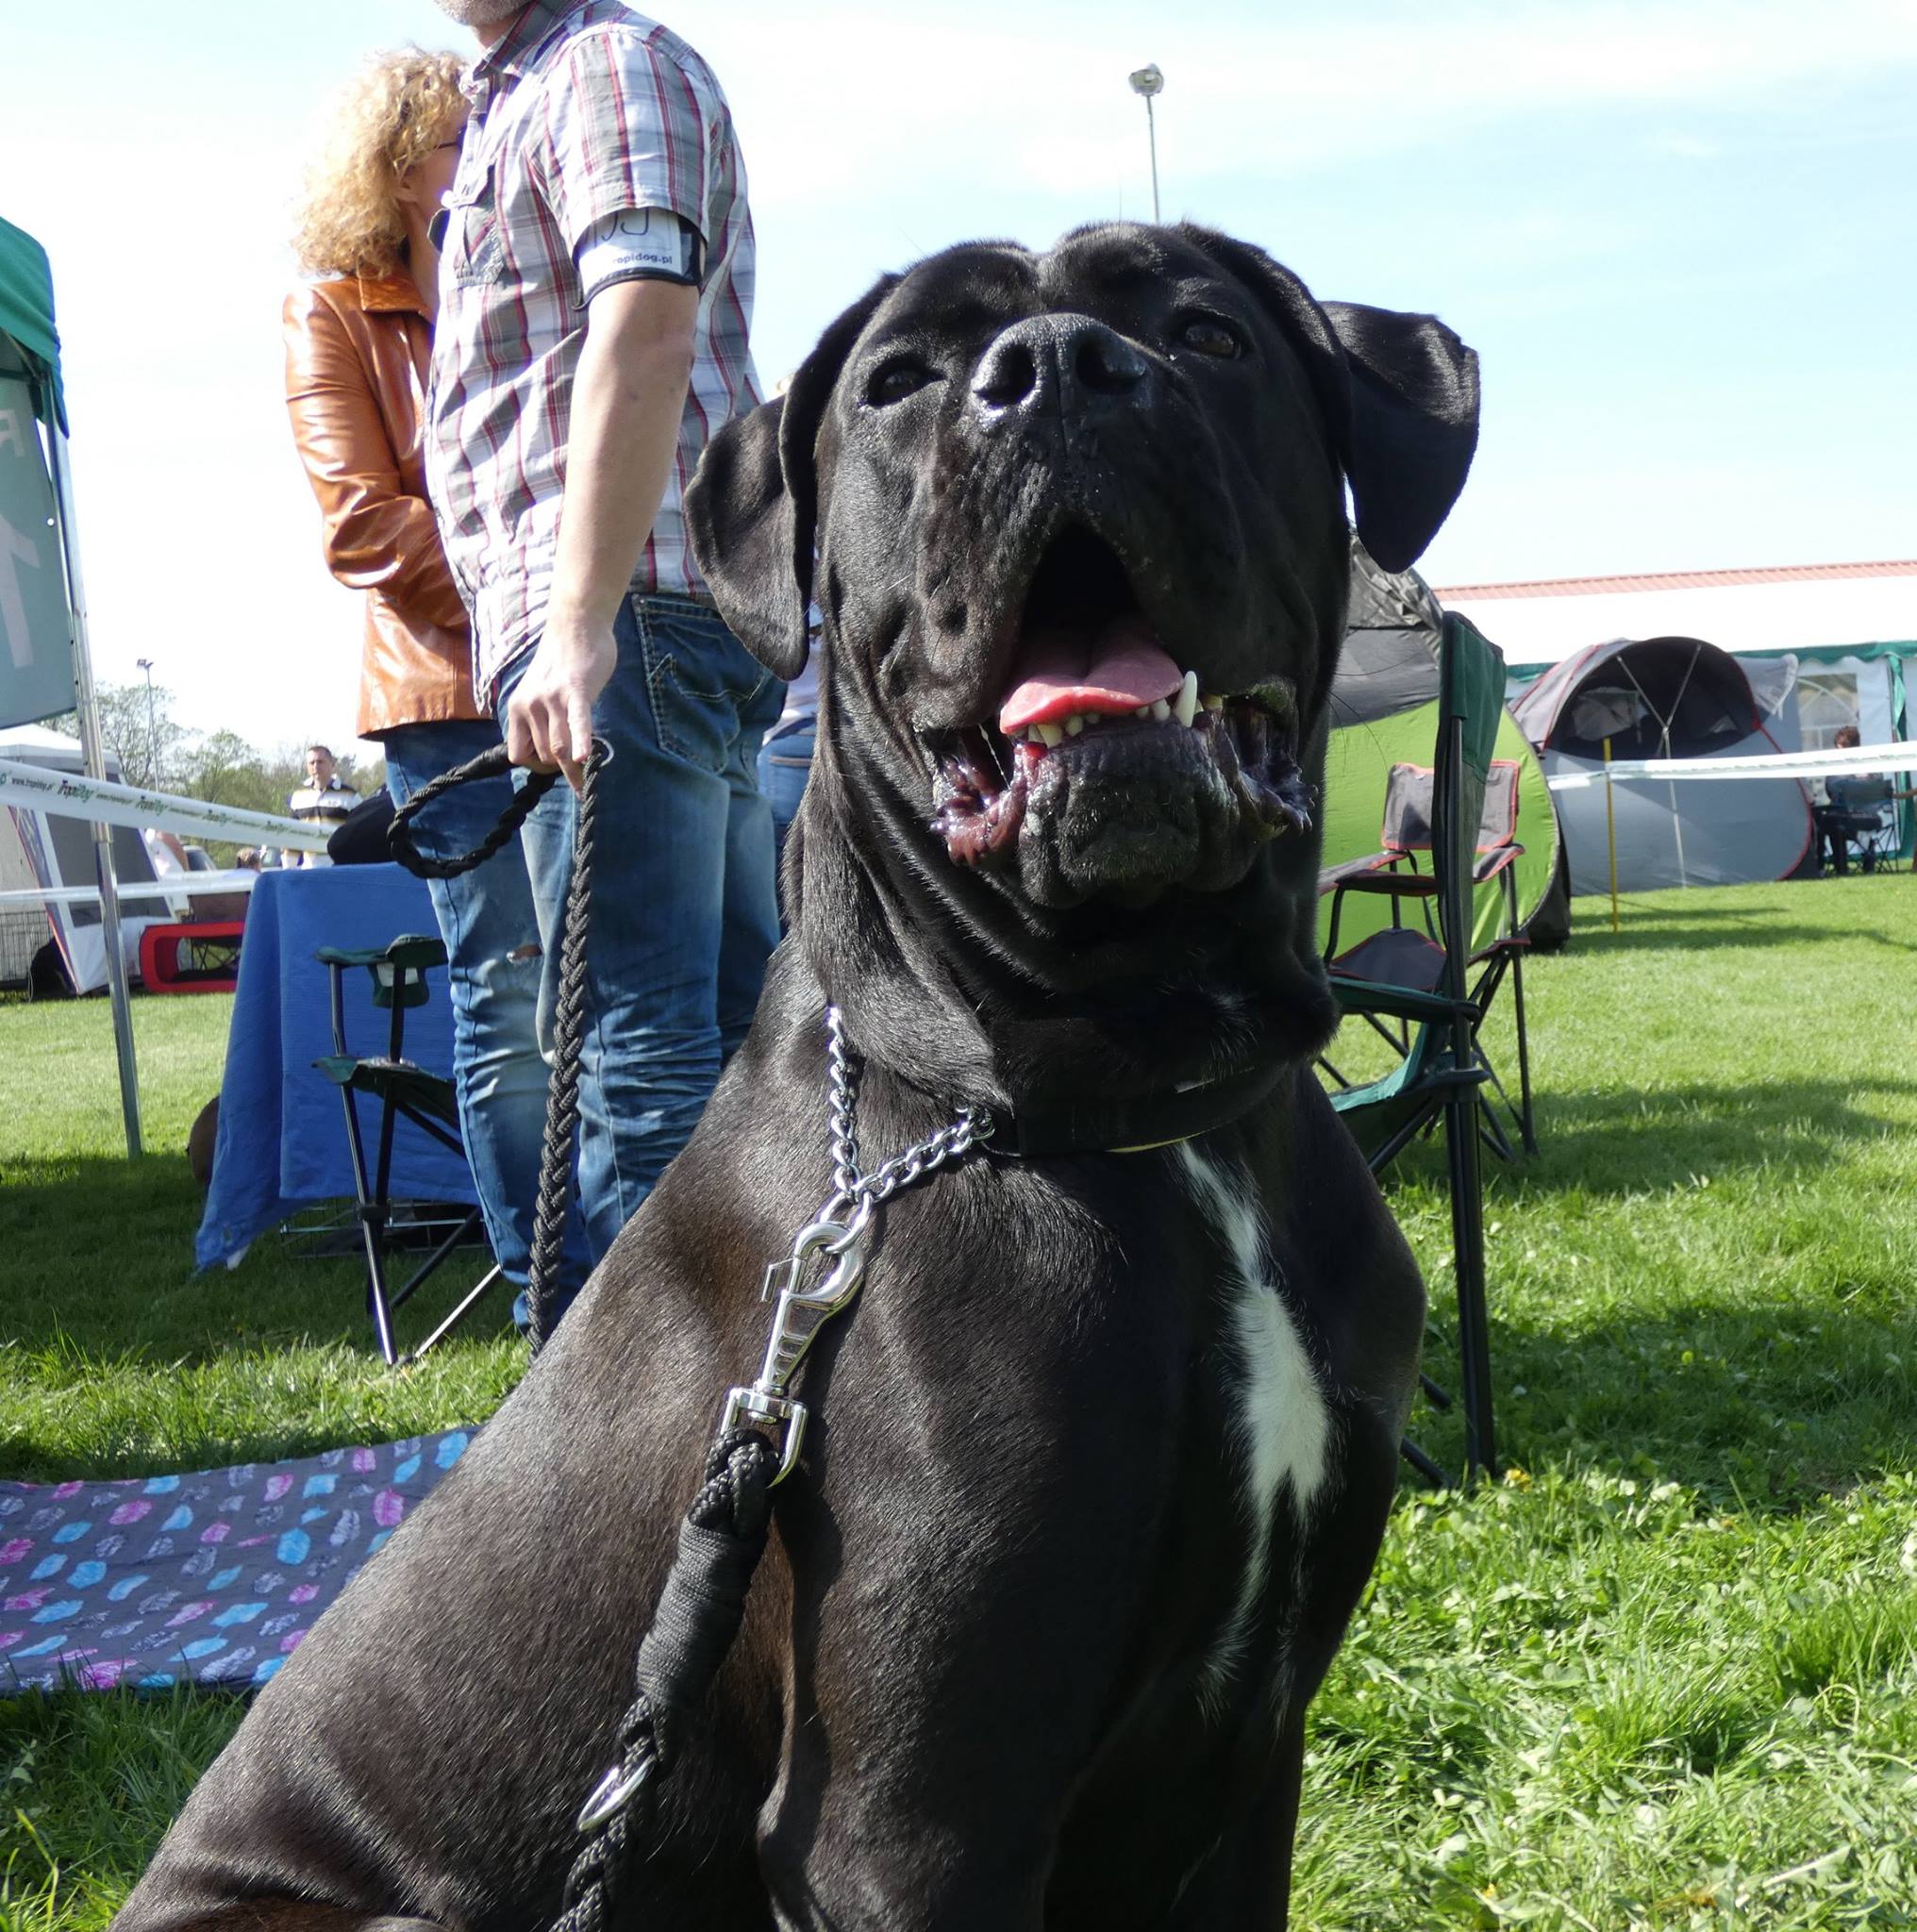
(569, 1022)
(699, 1614)
(488, 764)
(562, 1084)
(702, 1605)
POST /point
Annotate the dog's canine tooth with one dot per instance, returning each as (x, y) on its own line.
(1185, 704)
(1161, 710)
(1075, 724)
(1048, 735)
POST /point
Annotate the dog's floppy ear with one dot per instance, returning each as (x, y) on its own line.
(753, 506)
(1413, 425)
(1401, 394)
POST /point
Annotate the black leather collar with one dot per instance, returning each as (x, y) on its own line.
(1134, 1127)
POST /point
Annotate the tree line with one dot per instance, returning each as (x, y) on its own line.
(155, 751)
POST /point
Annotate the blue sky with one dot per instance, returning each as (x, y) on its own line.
(1681, 234)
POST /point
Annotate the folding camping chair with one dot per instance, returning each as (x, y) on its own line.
(403, 1090)
(1415, 956)
(1423, 985)
(1860, 819)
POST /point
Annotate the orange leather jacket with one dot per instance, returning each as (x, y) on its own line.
(356, 355)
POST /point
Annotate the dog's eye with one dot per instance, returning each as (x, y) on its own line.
(1210, 337)
(894, 381)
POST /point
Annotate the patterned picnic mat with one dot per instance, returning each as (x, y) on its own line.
(207, 1579)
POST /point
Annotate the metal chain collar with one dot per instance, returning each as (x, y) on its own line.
(838, 1231)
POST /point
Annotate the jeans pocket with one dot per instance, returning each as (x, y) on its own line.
(701, 679)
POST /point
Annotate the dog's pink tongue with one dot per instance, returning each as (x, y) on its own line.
(1062, 673)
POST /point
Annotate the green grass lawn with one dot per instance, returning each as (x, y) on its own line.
(1665, 1675)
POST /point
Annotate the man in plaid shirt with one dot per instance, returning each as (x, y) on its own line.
(595, 292)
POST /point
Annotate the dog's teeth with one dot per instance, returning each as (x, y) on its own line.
(1185, 704)
(1142, 711)
(1161, 710)
(1048, 735)
(1212, 703)
(1075, 724)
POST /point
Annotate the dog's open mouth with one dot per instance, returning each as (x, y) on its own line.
(1095, 691)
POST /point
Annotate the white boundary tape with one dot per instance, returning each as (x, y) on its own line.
(1857, 761)
(180, 886)
(33, 788)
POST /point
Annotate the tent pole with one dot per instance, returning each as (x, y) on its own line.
(1610, 831)
(94, 755)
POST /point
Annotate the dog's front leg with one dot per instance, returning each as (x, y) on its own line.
(949, 1691)
(1246, 1882)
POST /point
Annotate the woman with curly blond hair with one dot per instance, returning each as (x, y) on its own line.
(359, 343)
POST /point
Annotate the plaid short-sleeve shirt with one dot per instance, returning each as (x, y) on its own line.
(582, 110)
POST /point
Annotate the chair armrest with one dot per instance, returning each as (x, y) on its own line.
(1347, 870)
(1399, 1001)
(1492, 864)
(1397, 885)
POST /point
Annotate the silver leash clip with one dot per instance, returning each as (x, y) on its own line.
(801, 1313)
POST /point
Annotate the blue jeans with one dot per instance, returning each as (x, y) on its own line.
(684, 911)
(785, 762)
(490, 928)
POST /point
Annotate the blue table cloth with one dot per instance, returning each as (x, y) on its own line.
(282, 1142)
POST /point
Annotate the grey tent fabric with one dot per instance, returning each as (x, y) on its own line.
(1390, 660)
(1666, 698)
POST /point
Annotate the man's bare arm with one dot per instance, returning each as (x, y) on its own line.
(628, 396)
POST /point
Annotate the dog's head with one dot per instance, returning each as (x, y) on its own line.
(1075, 524)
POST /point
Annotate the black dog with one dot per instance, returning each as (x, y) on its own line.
(1101, 1461)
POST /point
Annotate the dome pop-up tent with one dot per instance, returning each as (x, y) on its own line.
(1665, 698)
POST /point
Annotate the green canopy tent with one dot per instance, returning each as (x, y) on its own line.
(45, 666)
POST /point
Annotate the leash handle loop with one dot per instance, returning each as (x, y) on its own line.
(493, 763)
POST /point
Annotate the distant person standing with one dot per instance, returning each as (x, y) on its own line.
(325, 800)
(358, 345)
(595, 293)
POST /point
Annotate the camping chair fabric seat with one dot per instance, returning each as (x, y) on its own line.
(411, 1087)
(1394, 960)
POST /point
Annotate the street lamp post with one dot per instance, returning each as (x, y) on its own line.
(1147, 82)
(145, 664)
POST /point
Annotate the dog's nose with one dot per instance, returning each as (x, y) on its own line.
(1056, 360)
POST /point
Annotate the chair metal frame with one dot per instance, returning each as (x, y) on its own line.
(404, 1090)
(1439, 1078)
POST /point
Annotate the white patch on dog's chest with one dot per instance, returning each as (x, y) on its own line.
(1281, 1421)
